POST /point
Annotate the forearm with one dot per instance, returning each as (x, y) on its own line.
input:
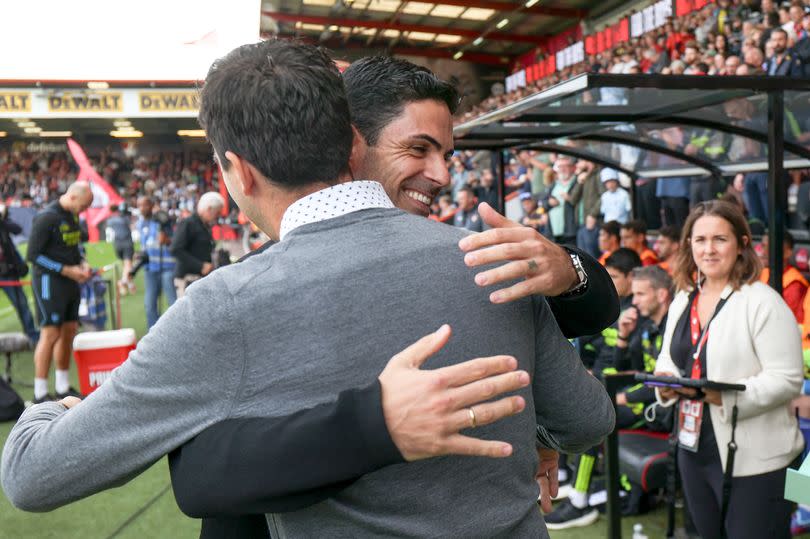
(271, 465)
(572, 407)
(592, 310)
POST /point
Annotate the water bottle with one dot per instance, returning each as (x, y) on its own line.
(638, 531)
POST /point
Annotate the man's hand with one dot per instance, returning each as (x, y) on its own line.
(425, 410)
(70, 402)
(206, 268)
(550, 274)
(80, 274)
(627, 322)
(548, 476)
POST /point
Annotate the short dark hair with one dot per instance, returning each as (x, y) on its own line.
(623, 259)
(281, 106)
(467, 189)
(670, 232)
(636, 225)
(779, 30)
(379, 87)
(611, 228)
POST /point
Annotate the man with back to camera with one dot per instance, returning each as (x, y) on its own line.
(388, 97)
(359, 290)
(53, 249)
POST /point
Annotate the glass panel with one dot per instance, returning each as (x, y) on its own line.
(797, 118)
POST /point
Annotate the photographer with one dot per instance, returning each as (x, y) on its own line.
(193, 244)
(155, 231)
(13, 268)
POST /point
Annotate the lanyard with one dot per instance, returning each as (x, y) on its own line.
(699, 337)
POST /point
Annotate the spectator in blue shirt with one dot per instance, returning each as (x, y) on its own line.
(615, 201)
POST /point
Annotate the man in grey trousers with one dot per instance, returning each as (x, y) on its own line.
(351, 278)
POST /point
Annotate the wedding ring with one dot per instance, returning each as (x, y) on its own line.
(473, 422)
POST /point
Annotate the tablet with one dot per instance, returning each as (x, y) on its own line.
(677, 381)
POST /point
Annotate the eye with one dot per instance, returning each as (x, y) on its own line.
(421, 150)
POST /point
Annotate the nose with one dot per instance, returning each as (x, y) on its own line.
(436, 171)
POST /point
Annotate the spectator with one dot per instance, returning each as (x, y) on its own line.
(587, 192)
(466, 215)
(533, 215)
(666, 248)
(487, 191)
(765, 356)
(782, 62)
(794, 285)
(588, 236)
(192, 245)
(633, 234)
(615, 202)
(562, 214)
(609, 239)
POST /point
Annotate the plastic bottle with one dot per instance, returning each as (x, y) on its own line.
(638, 531)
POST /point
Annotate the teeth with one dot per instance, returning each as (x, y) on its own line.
(418, 196)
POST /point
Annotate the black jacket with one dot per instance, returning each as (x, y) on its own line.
(192, 246)
(264, 465)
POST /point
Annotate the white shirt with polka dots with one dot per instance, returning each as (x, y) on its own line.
(332, 202)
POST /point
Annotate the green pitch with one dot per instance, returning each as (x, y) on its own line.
(145, 507)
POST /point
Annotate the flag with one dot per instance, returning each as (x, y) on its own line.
(104, 194)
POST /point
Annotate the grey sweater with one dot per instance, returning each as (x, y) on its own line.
(316, 314)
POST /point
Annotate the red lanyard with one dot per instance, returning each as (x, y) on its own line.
(698, 339)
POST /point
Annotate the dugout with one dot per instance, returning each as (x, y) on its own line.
(745, 124)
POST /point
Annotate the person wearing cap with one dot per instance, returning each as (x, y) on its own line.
(193, 243)
(615, 205)
(533, 215)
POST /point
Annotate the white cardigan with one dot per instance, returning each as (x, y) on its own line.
(753, 340)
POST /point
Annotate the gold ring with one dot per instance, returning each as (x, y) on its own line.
(533, 266)
(473, 422)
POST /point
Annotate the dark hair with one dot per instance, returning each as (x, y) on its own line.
(611, 228)
(379, 87)
(788, 239)
(281, 106)
(670, 232)
(467, 189)
(636, 225)
(623, 259)
(746, 269)
(779, 30)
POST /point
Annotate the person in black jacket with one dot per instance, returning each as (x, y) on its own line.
(13, 268)
(193, 244)
(245, 477)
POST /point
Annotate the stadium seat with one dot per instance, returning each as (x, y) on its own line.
(643, 458)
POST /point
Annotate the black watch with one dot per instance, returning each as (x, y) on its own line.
(582, 277)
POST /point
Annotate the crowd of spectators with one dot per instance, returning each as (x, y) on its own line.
(175, 179)
(730, 37)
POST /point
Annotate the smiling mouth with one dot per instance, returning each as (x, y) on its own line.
(419, 197)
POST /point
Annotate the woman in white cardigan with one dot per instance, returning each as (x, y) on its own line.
(728, 327)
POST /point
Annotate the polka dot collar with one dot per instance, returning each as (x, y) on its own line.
(332, 202)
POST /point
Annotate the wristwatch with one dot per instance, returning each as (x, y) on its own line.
(582, 277)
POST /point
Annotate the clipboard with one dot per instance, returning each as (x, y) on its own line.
(678, 381)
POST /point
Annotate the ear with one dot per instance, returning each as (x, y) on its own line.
(242, 172)
(358, 153)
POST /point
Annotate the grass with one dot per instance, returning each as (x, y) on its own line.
(145, 507)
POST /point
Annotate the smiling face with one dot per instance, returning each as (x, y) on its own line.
(410, 156)
(714, 247)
